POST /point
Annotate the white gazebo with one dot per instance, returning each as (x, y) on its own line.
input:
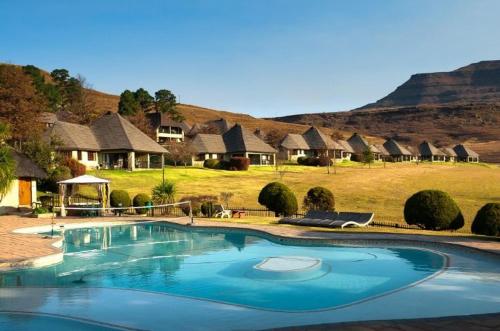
(67, 187)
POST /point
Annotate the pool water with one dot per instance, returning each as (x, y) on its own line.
(226, 266)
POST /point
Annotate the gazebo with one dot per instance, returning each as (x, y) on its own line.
(67, 188)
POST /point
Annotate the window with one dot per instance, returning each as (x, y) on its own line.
(91, 156)
(79, 155)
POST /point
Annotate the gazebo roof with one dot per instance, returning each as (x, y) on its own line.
(85, 179)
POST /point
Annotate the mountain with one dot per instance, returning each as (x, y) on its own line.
(475, 83)
(461, 106)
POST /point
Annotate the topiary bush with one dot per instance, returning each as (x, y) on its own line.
(196, 203)
(141, 200)
(119, 198)
(76, 168)
(211, 163)
(319, 198)
(433, 210)
(278, 198)
(239, 163)
(487, 220)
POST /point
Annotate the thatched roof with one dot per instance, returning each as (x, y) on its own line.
(395, 149)
(109, 132)
(382, 150)
(347, 147)
(72, 136)
(222, 125)
(413, 150)
(449, 151)
(239, 139)
(294, 141)
(428, 149)
(358, 143)
(208, 143)
(113, 132)
(464, 151)
(318, 140)
(25, 167)
(375, 150)
(157, 119)
(195, 129)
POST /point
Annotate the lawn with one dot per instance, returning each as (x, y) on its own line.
(380, 189)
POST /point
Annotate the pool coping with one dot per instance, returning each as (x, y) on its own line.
(272, 233)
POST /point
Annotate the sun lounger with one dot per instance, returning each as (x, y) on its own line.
(331, 219)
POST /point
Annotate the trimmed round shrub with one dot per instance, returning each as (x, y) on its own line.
(211, 163)
(196, 203)
(141, 200)
(278, 198)
(119, 198)
(319, 198)
(433, 210)
(302, 160)
(487, 220)
(239, 163)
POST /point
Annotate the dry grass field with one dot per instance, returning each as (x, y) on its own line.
(356, 188)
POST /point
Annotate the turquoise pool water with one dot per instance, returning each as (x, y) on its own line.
(40, 322)
(220, 266)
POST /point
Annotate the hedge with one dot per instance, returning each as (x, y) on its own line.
(433, 210)
(211, 163)
(76, 168)
(239, 163)
(487, 220)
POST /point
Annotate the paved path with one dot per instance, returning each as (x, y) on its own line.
(18, 247)
(487, 322)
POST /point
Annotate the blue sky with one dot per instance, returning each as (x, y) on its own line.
(262, 57)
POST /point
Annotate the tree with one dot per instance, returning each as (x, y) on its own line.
(165, 102)
(278, 198)
(140, 121)
(60, 76)
(81, 104)
(144, 99)
(7, 163)
(179, 152)
(368, 156)
(128, 105)
(487, 220)
(20, 104)
(48, 91)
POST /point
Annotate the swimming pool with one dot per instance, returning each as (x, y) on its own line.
(233, 267)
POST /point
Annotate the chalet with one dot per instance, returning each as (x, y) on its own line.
(360, 145)
(312, 143)
(384, 153)
(429, 152)
(166, 129)
(465, 154)
(23, 189)
(450, 155)
(397, 152)
(237, 141)
(111, 142)
(415, 154)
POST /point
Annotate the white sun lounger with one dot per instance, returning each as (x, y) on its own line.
(221, 212)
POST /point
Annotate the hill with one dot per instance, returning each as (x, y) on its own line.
(461, 106)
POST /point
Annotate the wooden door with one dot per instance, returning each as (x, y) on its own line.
(25, 192)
